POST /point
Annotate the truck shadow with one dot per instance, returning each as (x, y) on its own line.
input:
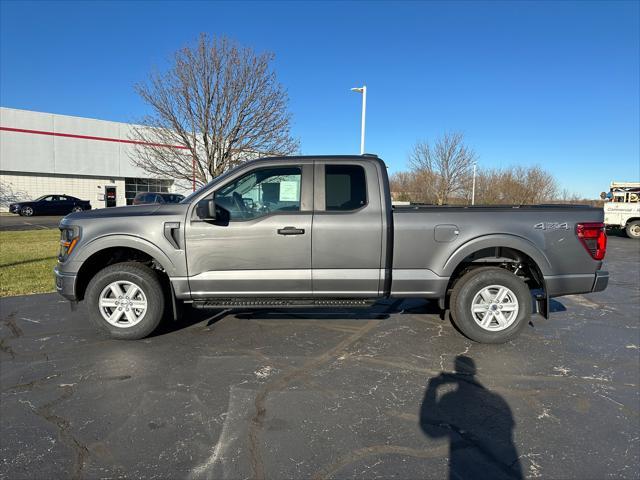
(556, 306)
(379, 311)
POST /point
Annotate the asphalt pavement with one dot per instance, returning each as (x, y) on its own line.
(388, 392)
(37, 222)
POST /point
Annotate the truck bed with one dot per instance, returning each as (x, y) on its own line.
(430, 240)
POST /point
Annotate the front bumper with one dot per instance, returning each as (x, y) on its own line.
(66, 284)
(14, 208)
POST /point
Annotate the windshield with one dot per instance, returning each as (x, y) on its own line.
(40, 198)
(192, 195)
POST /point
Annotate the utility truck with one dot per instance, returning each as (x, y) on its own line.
(622, 208)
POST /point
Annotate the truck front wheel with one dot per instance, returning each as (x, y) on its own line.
(633, 229)
(126, 300)
(490, 305)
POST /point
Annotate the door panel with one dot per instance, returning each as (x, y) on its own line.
(250, 258)
(48, 205)
(258, 256)
(65, 205)
(347, 234)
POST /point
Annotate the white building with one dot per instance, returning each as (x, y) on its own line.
(44, 153)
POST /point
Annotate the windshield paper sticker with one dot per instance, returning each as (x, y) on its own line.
(288, 191)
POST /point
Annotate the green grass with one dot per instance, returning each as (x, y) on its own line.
(27, 260)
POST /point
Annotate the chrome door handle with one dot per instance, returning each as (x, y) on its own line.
(291, 231)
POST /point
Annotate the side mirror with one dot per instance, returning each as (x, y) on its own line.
(206, 209)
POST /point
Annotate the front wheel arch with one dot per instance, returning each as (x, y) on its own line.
(110, 256)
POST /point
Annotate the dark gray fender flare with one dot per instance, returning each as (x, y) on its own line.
(131, 241)
(497, 240)
(502, 240)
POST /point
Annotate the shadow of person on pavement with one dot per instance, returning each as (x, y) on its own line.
(477, 422)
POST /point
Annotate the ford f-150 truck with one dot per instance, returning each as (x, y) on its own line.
(321, 231)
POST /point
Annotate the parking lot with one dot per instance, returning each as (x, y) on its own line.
(10, 222)
(393, 391)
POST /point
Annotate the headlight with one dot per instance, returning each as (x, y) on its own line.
(69, 237)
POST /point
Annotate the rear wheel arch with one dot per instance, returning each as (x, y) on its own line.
(508, 258)
(502, 243)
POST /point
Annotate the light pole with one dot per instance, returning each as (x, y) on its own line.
(362, 90)
(473, 185)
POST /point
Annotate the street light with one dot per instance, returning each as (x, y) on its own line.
(363, 91)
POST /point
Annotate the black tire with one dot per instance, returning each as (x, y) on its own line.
(76, 209)
(26, 211)
(470, 285)
(148, 282)
(633, 229)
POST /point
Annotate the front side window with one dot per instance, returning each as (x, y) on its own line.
(261, 192)
(345, 187)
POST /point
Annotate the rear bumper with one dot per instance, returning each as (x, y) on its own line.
(558, 285)
(65, 284)
(601, 281)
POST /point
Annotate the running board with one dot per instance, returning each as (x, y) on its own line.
(283, 302)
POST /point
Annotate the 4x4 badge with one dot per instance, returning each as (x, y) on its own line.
(551, 226)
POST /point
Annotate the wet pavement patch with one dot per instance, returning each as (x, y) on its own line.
(393, 391)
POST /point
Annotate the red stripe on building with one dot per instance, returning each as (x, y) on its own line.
(88, 137)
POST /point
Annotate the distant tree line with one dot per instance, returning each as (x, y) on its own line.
(441, 173)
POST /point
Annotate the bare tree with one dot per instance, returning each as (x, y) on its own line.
(448, 162)
(8, 195)
(218, 105)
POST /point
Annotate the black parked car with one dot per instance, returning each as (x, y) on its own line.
(50, 205)
(153, 197)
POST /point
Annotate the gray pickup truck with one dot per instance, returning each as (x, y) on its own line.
(321, 231)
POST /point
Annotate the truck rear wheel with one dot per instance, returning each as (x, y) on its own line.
(126, 300)
(633, 229)
(490, 305)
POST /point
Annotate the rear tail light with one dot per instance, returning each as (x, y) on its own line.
(593, 238)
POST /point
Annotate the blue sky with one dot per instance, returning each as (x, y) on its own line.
(548, 83)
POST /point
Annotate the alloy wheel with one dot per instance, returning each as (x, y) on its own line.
(123, 304)
(495, 308)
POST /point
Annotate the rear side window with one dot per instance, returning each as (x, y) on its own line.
(345, 187)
